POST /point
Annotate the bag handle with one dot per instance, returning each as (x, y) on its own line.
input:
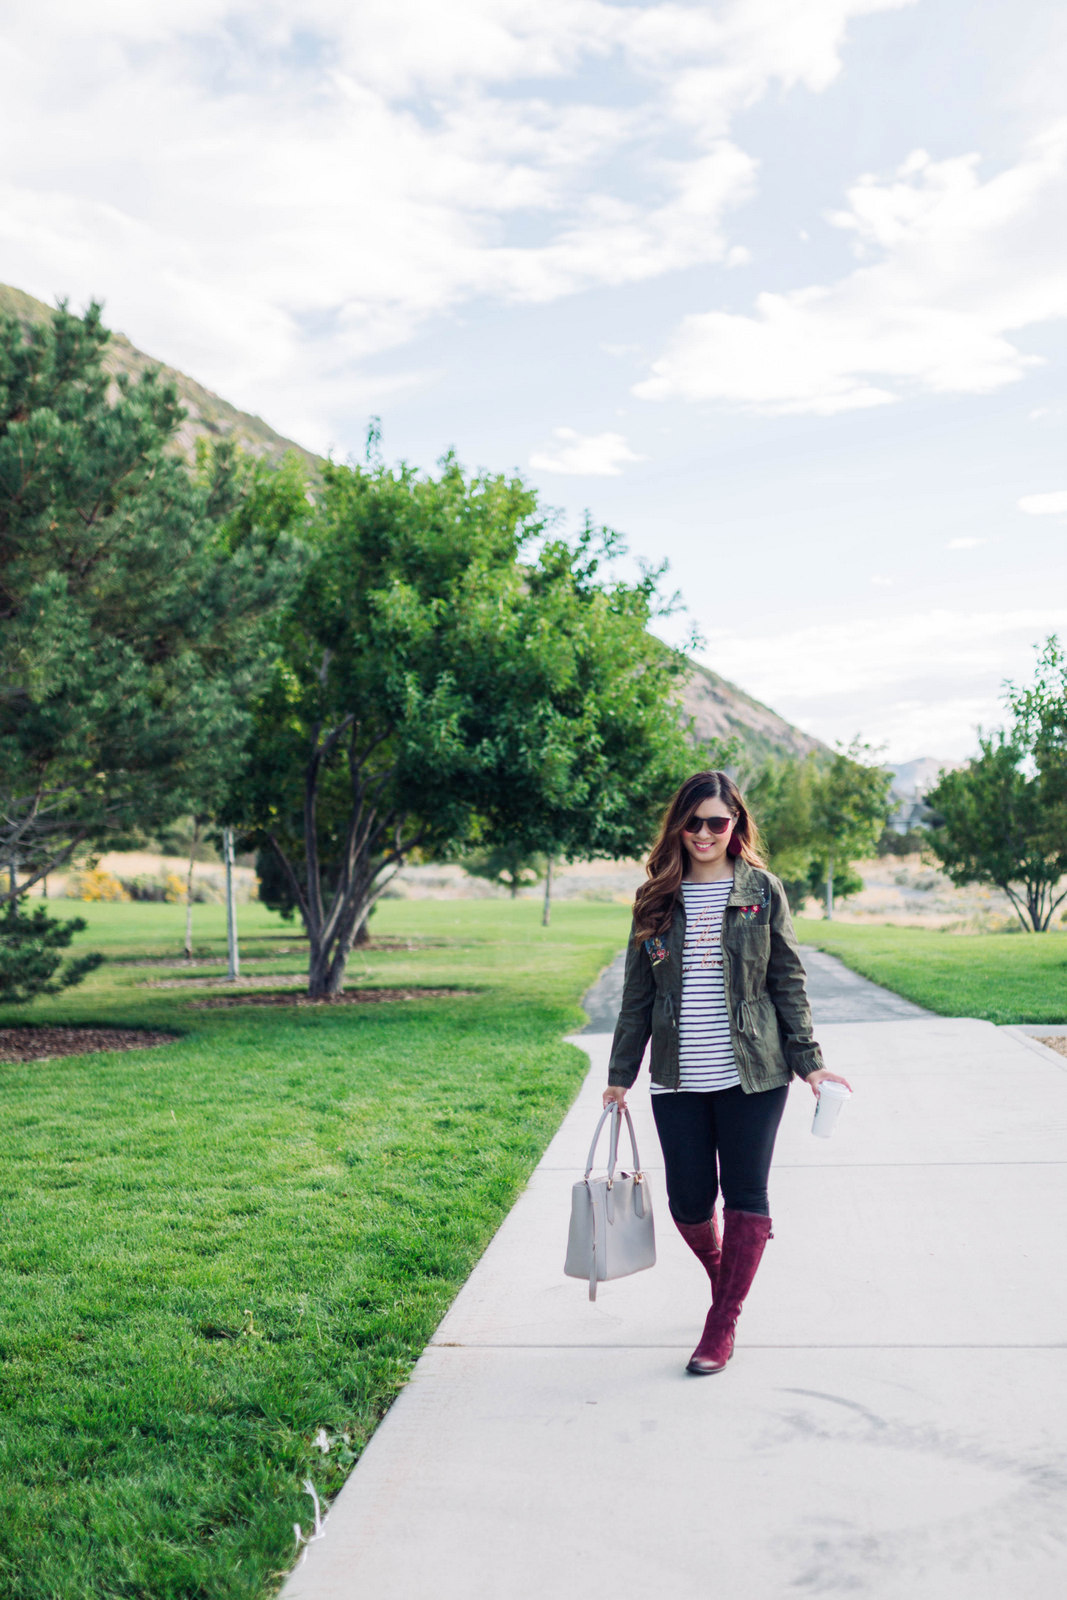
(613, 1143)
(613, 1152)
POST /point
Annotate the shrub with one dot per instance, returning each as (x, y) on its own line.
(171, 889)
(911, 843)
(95, 884)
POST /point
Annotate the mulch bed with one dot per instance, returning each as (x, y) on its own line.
(43, 1044)
(351, 997)
(1058, 1042)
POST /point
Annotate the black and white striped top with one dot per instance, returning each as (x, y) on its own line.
(705, 1054)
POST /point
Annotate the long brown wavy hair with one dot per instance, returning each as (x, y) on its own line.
(668, 858)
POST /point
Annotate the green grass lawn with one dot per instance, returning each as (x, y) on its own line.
(1001, 977)
(213, 1249)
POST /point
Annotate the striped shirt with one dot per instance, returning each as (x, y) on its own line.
(705, 1054)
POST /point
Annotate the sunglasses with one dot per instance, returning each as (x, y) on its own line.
(714, 824)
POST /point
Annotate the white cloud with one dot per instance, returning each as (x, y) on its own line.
(270, 192)
(828, 657)
(591, 455)
(1044, 505)
(965, 544)
(921, 681)
(944, 726)
(964, 265)
(718, 61)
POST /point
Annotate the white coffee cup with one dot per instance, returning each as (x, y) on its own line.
(831, 1098)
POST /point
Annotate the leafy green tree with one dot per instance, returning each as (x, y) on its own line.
(815, 815)
(782, 796)
(849, 813)
(1002, 819)
(818, 886)
(506, 866)
(449, 674)
(1040, 713)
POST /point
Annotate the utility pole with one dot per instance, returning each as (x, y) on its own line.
(231, 906)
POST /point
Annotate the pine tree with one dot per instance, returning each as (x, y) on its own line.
(131, 609)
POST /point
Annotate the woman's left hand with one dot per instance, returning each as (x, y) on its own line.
(822, 1076)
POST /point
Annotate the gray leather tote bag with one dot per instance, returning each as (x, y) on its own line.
(611, 1232)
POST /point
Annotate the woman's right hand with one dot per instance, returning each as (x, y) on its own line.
(614, 1094)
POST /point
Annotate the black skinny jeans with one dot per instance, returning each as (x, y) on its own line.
(724, 1137)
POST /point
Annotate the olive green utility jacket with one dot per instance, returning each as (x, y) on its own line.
(770, 1019)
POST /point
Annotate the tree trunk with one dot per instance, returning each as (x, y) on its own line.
(189, 892)
(374, 842)
(830, 888)
(546, 912)
(318, 972)
(326, 967)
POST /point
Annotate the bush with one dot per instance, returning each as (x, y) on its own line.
(171, 889)
(911, 843)
(95, 884)
(144, 887)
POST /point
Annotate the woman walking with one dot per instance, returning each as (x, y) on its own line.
(714, 977)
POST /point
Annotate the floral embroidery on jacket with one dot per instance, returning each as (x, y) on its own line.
(657, 950)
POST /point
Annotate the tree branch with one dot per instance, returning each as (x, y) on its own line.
(1060, 898)
(294, 881)
(1014, 898)
(42, 872)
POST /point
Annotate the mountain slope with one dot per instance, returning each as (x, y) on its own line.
(720, 710)
(209, 416)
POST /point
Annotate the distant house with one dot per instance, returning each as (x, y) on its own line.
(912, 781)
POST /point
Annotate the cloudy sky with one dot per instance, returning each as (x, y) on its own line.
(775, 287)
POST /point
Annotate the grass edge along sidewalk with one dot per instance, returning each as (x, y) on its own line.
(220, 1258)
(996, 977)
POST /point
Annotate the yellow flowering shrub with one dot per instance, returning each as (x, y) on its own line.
(95, 885)
(174, 889)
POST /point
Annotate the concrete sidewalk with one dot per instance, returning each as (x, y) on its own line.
(892, 1424)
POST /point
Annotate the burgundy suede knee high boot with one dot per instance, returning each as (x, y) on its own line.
(745, 1235)
(703, 1239)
